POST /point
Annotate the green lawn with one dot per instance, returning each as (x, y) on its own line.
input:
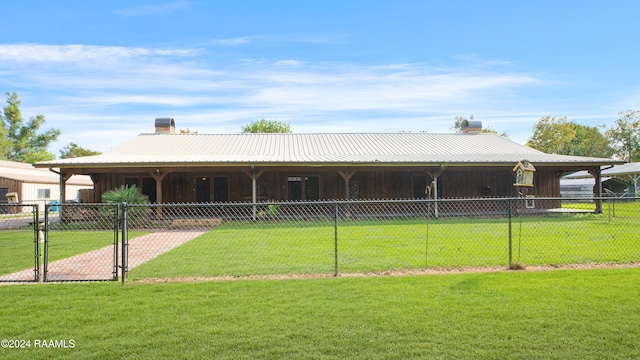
(364, 246)
(563, 314)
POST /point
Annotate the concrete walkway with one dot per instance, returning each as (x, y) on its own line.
(98, 264)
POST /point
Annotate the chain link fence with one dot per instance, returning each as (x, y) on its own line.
(88, 242)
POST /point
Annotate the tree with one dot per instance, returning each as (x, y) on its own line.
(588, 141)
(457, 124)
(550, 134)
(267, 126)
(21, 142)
(457, 127)
(187, 131)
(625, 136)
(72, 150)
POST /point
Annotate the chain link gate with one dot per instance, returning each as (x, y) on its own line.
(81, 242)
(20, 238)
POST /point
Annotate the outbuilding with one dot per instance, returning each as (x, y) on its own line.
(28, 185)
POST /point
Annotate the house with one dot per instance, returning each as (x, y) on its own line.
(201, 168)
(38, 186)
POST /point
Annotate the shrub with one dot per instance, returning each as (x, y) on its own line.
(130, 195)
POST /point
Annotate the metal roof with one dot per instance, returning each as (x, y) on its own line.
(340, 149)
(618, 170)
(27, 173)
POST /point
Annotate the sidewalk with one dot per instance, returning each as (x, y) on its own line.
(98, 264)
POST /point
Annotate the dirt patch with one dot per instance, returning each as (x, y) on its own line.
(392, 273)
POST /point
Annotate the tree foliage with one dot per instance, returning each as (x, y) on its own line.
(267, 126)
(588, 141)
(188, 131)
(73, 150)
(21, 141)
(559, 136)
(550, 134)
(625, 135)
(457, 127)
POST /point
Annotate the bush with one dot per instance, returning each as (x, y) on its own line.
(130, 195)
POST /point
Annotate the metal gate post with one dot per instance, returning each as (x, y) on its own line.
(116, 242)
(335, 237)
(45, 261)
(510, 233)
(36, 246)
(125, 243)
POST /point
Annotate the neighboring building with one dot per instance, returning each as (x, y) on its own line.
(201, 168)
(620, 180)
(38, 186)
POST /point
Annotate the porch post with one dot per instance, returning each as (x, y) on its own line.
(158, 176)
(435, 195)
(254, 192)
(254, 175)
(597, 188)
(434, 175)
(346, 175)
(63, 187)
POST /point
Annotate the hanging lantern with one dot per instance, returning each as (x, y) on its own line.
(524, 173)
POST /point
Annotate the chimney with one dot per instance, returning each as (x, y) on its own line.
(165, 126)
(471, 127)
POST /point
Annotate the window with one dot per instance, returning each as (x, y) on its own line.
(44, 193)
(130, 182)
(303, 188)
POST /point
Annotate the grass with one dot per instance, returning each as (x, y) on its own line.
(368, 246)
(566, 314)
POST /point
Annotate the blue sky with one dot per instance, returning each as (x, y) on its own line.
(102, 71)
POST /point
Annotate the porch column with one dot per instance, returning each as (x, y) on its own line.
(254, 193)
(63, 187)
(434, 175)
(158, 176)
(597, 188)
(346, 175)
(254, 175)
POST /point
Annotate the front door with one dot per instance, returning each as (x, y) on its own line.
(220, 189)
(149, 189)
(203, 190)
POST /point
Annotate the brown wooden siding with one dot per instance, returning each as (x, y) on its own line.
(180, 185)
(12, 186)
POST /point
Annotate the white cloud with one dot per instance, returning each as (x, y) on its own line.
(233, 41)
(39, 53)
(249, 39)
(79, 86)
(156, 9)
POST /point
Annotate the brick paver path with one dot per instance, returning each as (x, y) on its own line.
(98, 264)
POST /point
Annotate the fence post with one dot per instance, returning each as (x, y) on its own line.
(335, 237)
(36, 229)
(510, 203)
(125, 242)
(45, 260)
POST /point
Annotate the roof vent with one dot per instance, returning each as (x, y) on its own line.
(165, 126)
(471, 127)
